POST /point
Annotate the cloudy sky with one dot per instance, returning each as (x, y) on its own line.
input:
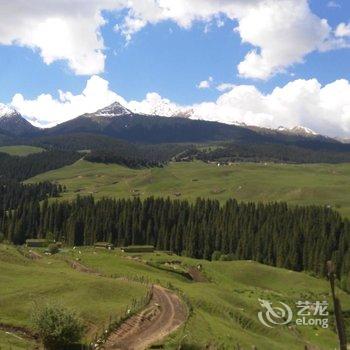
(261, 62)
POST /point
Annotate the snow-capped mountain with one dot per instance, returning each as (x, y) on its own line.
(160, 108)
(298, 130)
(7, 111)
(13, 123)
(113, 110)
(183, 113)
(165, 108)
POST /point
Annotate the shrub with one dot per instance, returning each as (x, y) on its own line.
(227, 257)
(216, 255)
(53, 248)
(57, 326)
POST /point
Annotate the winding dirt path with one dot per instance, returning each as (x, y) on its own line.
(163, 315)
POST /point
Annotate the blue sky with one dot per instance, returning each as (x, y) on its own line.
(171, 58)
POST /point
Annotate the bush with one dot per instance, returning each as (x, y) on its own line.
(216, 255)
(53, 248)
(57, 326)
(227, 257)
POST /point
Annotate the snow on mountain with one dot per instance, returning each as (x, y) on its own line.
(7, 111)
(183, 113)
(12, 122)
(296, 130)
(302, 130)
(113, 110)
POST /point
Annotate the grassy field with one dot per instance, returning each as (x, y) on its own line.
(25, 283)
(10, 341)
(225, 308)
(20, 150)
(324, 184)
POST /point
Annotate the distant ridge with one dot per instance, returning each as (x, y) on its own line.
(12, 122)
(118, 122)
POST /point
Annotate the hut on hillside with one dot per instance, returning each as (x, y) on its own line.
(104, 245)
(36, 243)
(138, 249)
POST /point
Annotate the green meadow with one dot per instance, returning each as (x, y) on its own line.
(302, 184)
(13, 341)
(21, 151)
(27, 283)
(224, 309)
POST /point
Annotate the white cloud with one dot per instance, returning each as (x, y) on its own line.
(59, 30)
(225, 87)
(282, 32)
(47, 111)
(285, 31)
(205, 84)
(324, 109)
(154, 104)
(343, 30)
(333, 4)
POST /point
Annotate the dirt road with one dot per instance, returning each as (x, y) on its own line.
(164, 314)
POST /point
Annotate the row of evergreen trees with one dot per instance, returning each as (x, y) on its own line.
(14, 194)
(297, 238)
(114, 157)
(21, 168)
(271, 152)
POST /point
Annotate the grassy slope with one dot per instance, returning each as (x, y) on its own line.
(225, 309)
(24, 282)
(297, 184)
(13, 342)
(20, 150)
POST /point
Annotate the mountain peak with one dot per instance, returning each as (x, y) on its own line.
(7, 111)
(302, 130)
(184, 113)
(113, 110)
(12, 122)
(297, 130)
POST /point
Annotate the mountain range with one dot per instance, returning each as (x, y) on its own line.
(118, 122)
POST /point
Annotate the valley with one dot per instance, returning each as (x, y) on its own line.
(174, 175)
(172, 185)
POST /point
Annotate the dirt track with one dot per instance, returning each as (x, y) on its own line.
(164, 314)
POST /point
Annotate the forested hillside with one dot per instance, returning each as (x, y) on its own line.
(14, 169)
(13, 193)
(297, 238)
(269, 152)
(21, 168)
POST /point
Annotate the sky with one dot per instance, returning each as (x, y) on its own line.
(268, 63)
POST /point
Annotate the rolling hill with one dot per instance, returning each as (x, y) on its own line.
(35, 280)
(304, 184)
(20, 150)
(223, 307)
